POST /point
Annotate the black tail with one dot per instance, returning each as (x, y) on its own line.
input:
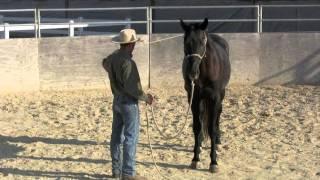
(204, 119)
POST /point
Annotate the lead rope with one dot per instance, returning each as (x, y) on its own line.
(178, 134)
(184, 124)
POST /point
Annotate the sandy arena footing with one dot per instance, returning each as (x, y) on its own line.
(268, 132)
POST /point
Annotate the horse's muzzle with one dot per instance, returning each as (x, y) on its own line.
(194, 73)
(194, 76)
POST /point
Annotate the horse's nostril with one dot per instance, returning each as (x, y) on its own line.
(193, 76)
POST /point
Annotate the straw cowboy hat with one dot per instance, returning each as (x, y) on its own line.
(126, 36)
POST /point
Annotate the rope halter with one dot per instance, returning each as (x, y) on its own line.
(204, 53)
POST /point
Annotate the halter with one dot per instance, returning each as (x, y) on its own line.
(204, 53)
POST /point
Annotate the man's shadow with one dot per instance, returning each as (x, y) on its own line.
(52, 174)
(27, 139)
(8, 149)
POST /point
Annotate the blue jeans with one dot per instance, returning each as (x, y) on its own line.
(125, 129)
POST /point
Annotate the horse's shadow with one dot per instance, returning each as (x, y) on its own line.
(166, 146)
(173, 166)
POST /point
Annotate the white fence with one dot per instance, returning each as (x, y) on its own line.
(76, 26)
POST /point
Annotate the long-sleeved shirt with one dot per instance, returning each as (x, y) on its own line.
(123, 74)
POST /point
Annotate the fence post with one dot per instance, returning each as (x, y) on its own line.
(1, 22)
(128, 24)
(39, 23)
(260, 18)
(147, 19)
(149, 47)
(6, 31)
(71, 28)
(150, 19)
(81, 28)
(35, 23)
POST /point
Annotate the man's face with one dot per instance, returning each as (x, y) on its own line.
(132, 45)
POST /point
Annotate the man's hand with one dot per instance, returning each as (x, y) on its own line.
(150, 99)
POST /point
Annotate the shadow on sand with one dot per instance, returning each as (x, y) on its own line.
(307, 71)
(10, 150)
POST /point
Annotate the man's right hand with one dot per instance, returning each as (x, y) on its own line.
(150, 99)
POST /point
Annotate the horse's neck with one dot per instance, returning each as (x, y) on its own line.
(210, 67)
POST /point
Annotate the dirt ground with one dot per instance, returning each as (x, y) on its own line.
(268, 132)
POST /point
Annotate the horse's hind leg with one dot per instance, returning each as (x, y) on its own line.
(218, 141)
(196, 130)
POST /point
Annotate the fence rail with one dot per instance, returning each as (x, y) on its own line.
(39, 23)
(96, 9)
(204, 7)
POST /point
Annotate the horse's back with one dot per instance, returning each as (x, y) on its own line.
(221, 41)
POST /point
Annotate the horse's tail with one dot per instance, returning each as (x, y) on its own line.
(204, 119)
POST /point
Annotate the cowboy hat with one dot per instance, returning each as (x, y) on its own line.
(126, 36)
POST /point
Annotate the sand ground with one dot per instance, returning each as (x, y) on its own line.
(268, 132)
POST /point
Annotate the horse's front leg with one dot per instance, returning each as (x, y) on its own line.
(196, 128)
(213, 129)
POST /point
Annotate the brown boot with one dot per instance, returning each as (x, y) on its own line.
(115, 176)
(136, 177)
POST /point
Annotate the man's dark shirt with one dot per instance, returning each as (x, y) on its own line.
(123, 74)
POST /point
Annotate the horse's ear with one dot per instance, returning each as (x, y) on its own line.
(184, 26)
(204, 24)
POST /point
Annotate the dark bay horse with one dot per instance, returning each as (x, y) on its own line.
(206, 63)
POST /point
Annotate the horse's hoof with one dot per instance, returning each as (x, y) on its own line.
(193, 165)
(213, 168)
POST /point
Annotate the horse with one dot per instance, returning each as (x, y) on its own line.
(206, 65)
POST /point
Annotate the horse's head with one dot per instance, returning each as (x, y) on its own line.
(195, 41)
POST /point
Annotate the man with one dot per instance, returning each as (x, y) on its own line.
(126, 89)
